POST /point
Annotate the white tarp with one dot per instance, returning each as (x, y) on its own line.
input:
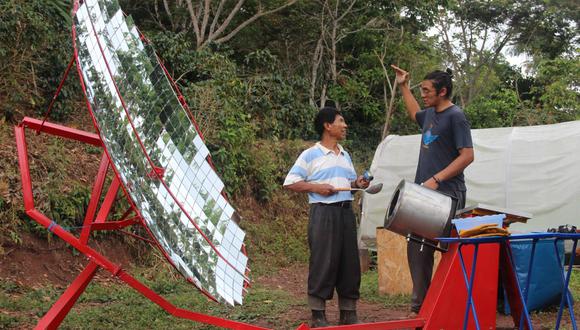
(533, 169)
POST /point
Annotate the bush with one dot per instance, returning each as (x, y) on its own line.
(35, 49)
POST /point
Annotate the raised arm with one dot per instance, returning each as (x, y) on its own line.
(411, 104)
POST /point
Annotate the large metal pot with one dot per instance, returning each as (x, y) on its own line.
(420, 211)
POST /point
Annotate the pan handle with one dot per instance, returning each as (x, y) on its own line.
(347, 189)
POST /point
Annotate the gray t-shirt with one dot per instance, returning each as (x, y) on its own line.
(443, 134)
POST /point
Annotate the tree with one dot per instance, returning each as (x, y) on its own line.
(332, 14)
(213, 21)
(557, 86)
(474, 35)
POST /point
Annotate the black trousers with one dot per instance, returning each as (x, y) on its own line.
(421, 262)
(334, 260)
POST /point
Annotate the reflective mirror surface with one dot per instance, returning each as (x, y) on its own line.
(144, 127)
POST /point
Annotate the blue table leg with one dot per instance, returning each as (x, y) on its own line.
(525, 311)
(565, 293)
(531, 265)
(469, 283)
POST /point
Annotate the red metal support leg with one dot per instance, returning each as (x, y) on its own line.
(58, 311)
(95, 197)
(108, 201)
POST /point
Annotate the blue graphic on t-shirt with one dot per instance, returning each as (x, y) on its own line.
(428, 138)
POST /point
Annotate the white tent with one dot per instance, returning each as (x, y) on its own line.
(532, 169)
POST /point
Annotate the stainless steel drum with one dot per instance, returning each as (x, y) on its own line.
(420, 211)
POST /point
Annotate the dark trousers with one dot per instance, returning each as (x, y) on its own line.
(421, 262)
(334, 261)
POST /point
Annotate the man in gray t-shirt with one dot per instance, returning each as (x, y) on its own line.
(446, 150)
(444, 133)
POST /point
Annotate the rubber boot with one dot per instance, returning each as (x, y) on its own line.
(348, 317)
(318, 319)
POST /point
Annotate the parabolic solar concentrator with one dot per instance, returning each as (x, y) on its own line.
(151, 142)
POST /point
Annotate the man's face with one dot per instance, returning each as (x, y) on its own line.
(337, 129)
(429, 95)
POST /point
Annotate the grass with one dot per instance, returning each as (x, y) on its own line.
(113, 304)
(369, 291)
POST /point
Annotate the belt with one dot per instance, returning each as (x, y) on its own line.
(343, 204)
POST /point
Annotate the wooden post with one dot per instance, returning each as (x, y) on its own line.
(394, 275)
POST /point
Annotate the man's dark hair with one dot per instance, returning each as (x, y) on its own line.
(325, 115)
(441, 79)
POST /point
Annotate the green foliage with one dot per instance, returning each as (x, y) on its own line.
(558, 83)
(547, 29)
(500, 109)
(68, 208)
(34, 51)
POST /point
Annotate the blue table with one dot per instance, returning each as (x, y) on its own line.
(535, 237)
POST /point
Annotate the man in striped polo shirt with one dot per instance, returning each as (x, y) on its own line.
(332, 233)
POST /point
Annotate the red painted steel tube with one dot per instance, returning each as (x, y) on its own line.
(126, 214)
(95, 197)
(137, 237)
(112, 225)
(384, 325)
(24, 172)
(62, 131)
(53, 318)
(108, 201)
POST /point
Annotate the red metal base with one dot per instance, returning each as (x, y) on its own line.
(92, 222)
(444, 305)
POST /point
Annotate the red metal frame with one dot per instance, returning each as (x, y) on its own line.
(63, 305)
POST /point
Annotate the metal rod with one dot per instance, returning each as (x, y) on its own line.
(425, 242)
(70, 64)
(565, 293)
(469, 283)
(95, 197)
(529, 279)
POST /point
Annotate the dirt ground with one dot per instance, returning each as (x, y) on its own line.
(37, 261)
(293, 279)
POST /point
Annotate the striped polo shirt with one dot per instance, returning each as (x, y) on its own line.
(319, 164)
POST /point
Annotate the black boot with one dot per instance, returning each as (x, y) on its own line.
(318, 319)
(348, 317)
